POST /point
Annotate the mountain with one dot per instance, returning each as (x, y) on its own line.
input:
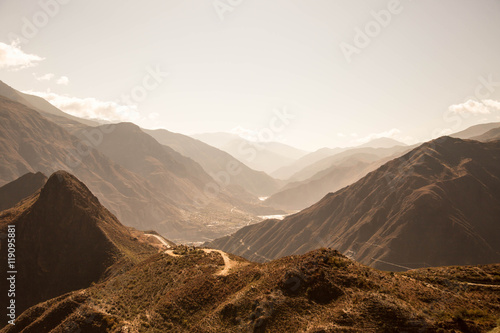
(369, 153)
(288, 171)
(321, 291)
(381, 143)
(475, 130)
(180, 178)
(22, 187)
(437, 205)
(64, 241)
(299, 195)
(147, 185)
(217, 163)
(493, 134)
(41, 105)
(31, 143)
(262, 156)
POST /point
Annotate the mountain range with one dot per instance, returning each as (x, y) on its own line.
(263, 156)
(155, 187)
(410, 212)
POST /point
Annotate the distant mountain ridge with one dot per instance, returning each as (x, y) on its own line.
(262, 156)
(39, 104)
(217, 162)
(22, 187)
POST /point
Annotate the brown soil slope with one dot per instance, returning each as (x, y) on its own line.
(437, 205)
(65, 240)
(321, 291)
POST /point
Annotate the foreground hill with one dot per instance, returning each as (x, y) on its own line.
(23, 187)
(321, 291)
(218, 163)
(437, 205)
(65, 240)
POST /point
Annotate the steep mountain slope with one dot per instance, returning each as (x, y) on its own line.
(217, 163)
(22, 187)
(299, 195)
(65, 240)
(31, 143)
(437, 205)
(155, 188)
(475, 130)
(325, 163)
(321, 291)
(262, 156)
(178, 177)
(41, 105)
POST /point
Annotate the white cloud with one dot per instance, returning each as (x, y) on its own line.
(13, 58)
(491, 103)
(392, 133)
(341, 135)
(45, 77)
(471, 106)
(90, 107)
(63, 80)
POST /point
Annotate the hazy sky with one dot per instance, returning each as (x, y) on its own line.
(346, 70)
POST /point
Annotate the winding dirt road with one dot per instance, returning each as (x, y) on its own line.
(228, 263)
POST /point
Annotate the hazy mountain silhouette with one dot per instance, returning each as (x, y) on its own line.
(327, 162)
(302, 194)
(41, 105)
(262, 156)
(437, 205)
(287, 172)
(22, 187)
(493, 134)
(475, 130)
(381, 143)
